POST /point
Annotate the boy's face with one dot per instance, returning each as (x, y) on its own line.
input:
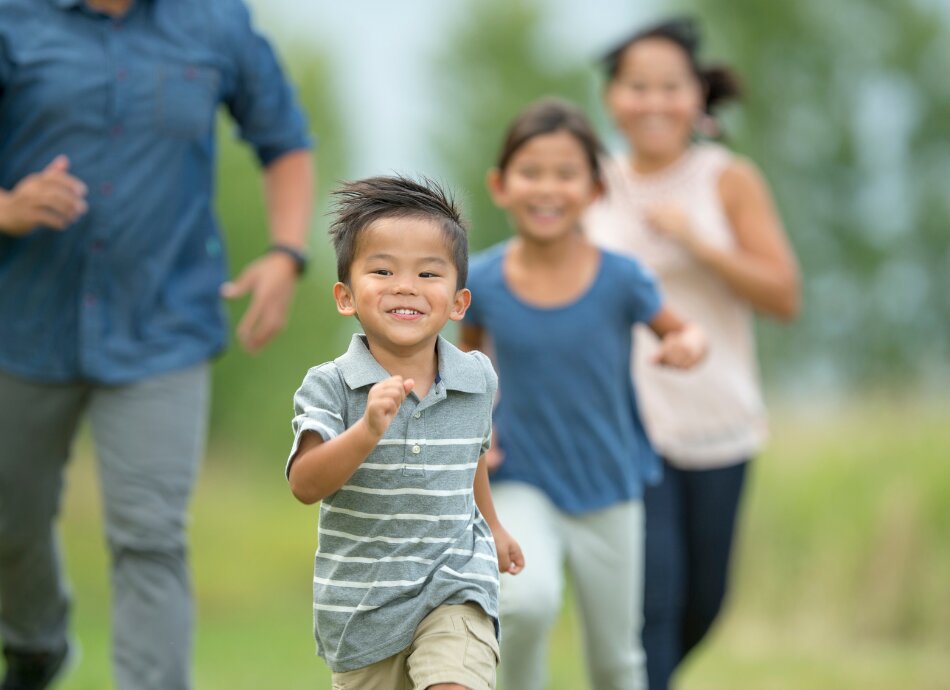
(402, 284)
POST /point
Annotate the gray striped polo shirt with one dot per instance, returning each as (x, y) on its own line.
(403, 535)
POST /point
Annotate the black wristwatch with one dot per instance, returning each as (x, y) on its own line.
(299, 257)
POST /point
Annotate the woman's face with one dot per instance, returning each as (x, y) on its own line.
(655, 98)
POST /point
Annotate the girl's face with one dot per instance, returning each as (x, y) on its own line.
(655, 98)
(546, 186)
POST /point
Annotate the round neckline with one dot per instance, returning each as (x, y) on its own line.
(581, 297)
(681, 167)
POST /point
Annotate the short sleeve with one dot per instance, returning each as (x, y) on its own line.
(641, 290)
(262, 101)
(319, 406)
(491, 384)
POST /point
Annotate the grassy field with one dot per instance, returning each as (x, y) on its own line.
(841, 582)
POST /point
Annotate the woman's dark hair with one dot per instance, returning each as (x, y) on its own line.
(546, 116)
(361, 203)
(719, 83)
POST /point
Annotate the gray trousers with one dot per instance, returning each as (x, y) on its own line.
(603, 551)
(149, 439)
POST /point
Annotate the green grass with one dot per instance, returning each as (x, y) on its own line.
(841, 574)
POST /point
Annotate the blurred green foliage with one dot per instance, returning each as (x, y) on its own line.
(253, 393)
(840, 578)
(491, 65)
(845, 110)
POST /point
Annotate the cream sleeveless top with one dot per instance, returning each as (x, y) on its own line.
(712, 415)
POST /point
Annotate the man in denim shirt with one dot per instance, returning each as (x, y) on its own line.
(111, 271)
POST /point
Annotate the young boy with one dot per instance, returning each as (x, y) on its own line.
(390, 437)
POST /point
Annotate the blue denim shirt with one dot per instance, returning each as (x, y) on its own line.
(131, 288)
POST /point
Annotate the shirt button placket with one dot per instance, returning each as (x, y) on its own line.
(416, 434)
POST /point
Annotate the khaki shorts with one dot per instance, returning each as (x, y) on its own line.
(453, 644)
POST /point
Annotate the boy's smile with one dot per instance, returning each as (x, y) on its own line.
(402, 285)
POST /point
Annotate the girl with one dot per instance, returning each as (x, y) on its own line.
(572, 453)
(702, 219)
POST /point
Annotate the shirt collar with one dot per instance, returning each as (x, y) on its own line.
(457, 370)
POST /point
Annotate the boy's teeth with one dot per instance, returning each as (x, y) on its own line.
(404, 311)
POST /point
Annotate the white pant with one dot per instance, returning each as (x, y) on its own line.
(603, 551)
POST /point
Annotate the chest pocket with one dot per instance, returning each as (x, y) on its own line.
(186, 100)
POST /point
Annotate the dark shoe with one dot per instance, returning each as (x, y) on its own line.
(33, 670)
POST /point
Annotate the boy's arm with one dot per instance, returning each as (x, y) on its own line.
(510, 558)
(682, 344)
(320, 467)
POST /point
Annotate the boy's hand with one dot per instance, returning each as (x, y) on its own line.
(682, 349)
(510, 558)
(383, 402)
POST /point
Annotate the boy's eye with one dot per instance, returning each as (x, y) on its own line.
(382, 272)
(428, 274)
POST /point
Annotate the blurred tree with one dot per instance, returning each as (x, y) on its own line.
(846, 110)
(490, 66)
(253, 394)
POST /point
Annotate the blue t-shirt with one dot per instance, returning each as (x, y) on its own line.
(567, 419)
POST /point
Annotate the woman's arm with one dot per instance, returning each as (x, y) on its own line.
(761, 268)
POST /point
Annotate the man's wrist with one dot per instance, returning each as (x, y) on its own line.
(295, 254)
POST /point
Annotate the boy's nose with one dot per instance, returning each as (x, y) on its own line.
(404, 287)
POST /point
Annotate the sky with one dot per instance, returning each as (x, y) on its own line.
(386, 112)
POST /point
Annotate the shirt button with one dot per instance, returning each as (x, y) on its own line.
(121, 75)
(416, 449)
(105, 188)
(116, 130)
(417, 415)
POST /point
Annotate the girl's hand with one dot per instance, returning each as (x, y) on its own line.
(383, 403)
(493, 458)
(671, 221)
(683, 348)
(510, 558)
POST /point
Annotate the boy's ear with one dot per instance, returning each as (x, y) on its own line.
(345, 304)
(463, 298)
(496, 187)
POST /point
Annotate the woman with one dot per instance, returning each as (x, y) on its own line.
(703, 220)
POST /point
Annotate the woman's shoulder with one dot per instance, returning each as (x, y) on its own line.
(740, 179)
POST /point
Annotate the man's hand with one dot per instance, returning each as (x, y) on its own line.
(682, 349)
(510, 558)
(383, 402)
(270, 280)
(51, 198)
